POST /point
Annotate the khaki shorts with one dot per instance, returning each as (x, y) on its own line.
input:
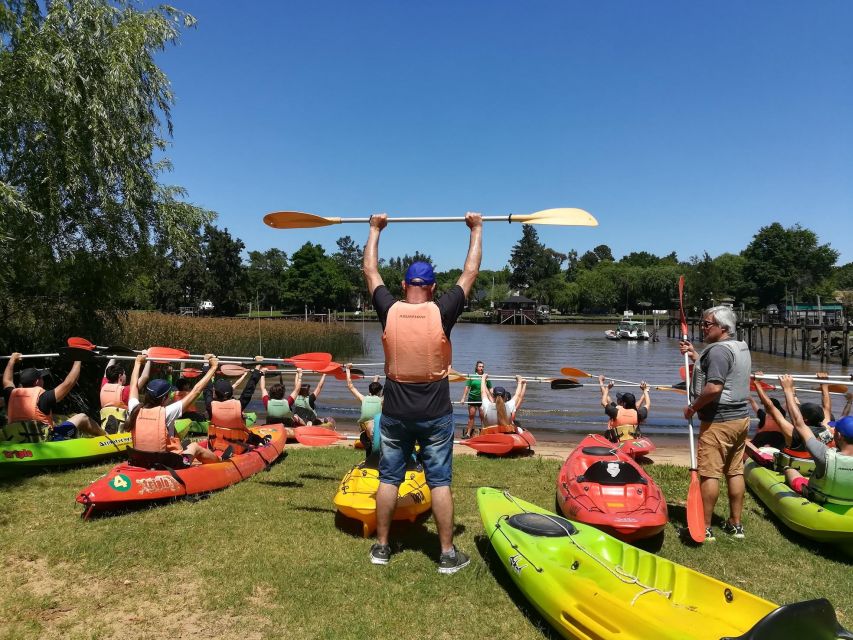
(721, 448)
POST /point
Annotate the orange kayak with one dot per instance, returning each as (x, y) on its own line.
(126, 485)
(496, 443)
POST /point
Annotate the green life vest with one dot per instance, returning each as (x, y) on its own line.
(370, 406)
(25, 431)
(303, 408)
(836, 484)
(278, 408)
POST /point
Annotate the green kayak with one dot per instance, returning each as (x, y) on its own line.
(588, 585)
(18, 457)
(186, 427)
(828, 523)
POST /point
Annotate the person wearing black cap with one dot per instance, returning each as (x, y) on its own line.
(417, 407)
(29, 408)
(832, 479)
(227, 420)
(625, 414)
(151, 422)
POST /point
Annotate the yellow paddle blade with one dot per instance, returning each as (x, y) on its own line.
(567, 217)
(297, 220)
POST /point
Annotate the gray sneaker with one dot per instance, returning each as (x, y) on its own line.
(452, 561)
(380, 554)
(734, 530)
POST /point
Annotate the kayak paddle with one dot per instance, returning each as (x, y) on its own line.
(695, 509)
(313, 436)
(564, 217)
(580, 373)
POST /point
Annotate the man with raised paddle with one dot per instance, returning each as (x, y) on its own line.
(417, 407)
(720, 391)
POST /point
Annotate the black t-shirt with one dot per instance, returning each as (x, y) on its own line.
(420, 400)
(46, 402)
(612, 410)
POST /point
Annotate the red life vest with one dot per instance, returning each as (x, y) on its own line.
(23, 406)
(228, 414)
(416, 349)
(151, 433)
(111, 395)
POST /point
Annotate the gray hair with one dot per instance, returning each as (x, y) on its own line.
(724, 316)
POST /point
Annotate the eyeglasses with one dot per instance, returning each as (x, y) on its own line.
(705, 324)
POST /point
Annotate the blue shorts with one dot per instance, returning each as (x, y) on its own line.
(398, 442)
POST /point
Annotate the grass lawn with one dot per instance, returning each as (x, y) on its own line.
(265, 559)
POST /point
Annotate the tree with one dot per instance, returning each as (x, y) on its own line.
(601, 253)
(531, 261)
(264, 277)
(84, 108)
(780, 260)
(224, 264)
(596, 291)
(349, 257)
(314, 279)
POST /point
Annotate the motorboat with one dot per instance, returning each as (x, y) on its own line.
(632, 330)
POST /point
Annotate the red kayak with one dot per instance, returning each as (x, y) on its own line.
(605, 488)
(127, 485)
(495, 442)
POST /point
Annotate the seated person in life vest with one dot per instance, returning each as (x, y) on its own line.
(279, 406)
(832, 479)
(305, 405)
(115, 393)
(770, 432)
(498, 408)
(625, 414)
(371, 405)
(29, 408)
(151, 422)
(813, 416)
(227, 420)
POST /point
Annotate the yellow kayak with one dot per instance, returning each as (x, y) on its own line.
(356, 496)
(591, 586)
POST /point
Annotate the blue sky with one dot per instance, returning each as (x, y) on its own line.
(681, 126)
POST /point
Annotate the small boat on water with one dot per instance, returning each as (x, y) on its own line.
(612, 334)
(632, 330)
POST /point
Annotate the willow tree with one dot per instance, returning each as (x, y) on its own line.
(84, 123)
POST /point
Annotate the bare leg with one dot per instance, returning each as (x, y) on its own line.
(482, 413)
(737, 488)
(710, 488)
(203, 455)
(469, 428)
(386, 503)
(86, 425)
(442, 510)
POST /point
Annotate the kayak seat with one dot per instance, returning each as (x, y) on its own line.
(813, 619)
(612, 473)
(219, 438)
(597, 451)
(537, 524)
(156, 459)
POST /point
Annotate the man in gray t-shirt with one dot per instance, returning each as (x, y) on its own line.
(719, 392)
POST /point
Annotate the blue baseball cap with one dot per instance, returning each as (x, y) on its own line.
(158, 388)
(419, 274)
(844, 426)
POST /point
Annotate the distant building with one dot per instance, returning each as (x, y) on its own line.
(516, 310)
(812, 313)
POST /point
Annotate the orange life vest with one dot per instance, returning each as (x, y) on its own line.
(180, 395)
(227, 414)
(416, 349)
(151, 433)
(500, 428)
(770, 424)
(23, 406)
(111, 395)
(624, 418)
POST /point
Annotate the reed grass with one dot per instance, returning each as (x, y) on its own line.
(236, 337)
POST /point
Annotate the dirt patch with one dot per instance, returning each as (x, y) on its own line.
(67, 602)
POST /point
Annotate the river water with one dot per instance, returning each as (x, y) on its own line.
(542, 351)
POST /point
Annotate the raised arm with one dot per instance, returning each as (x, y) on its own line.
(521, 393)
(9, 371)
(826, 401)
(135, 387)
(786, 427)
(145, 375)
(485, 392)
(350, 385)
(189, 400)
(475, 252)
(803, 430)
(605, 391)
(847, 405)
(518, 396)
(297, 382)
(370, 263)
(646, 400)
(68, 384)
(319, 386)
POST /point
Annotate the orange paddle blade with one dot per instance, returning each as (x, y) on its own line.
(190, 372)
(297, 220)
(571, 372)
(673, 389)
(166, 354)
(695, 510)
(310, 361)
(681, 308)
(838, 388)
(755, 383)
(317, 436)
(80, 343)
(681, 372)
(232, 370)
(331, 368)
